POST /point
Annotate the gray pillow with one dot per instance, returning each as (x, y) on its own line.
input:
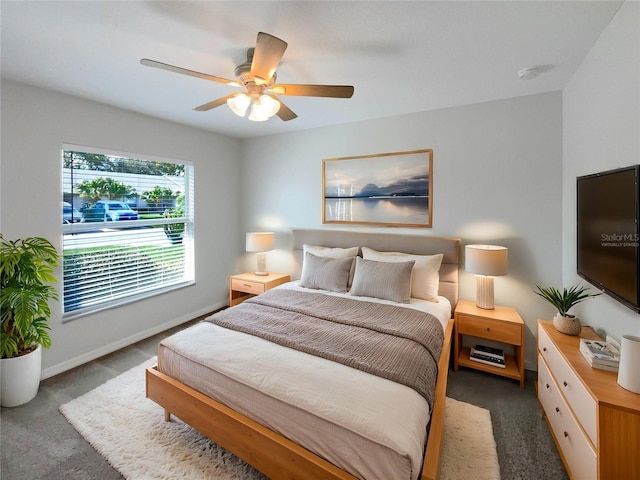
(332, 252)
(326, 273)
(425, 277)
(384, 280)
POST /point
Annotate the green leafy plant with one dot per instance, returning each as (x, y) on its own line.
(105, 187)
(26, 272)
(158, 197)
(175, 231)
(566, 299)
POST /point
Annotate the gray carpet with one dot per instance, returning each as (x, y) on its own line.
(39, 444)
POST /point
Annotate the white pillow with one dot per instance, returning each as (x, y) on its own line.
(330, 252)
(425, 278)
(326, 273)
(384, 280)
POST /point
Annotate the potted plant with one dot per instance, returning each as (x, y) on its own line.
(563, 321)
(26, 274)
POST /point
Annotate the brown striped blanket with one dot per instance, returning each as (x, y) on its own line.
(396, 343)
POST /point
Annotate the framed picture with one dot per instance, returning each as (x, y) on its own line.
(389, 189)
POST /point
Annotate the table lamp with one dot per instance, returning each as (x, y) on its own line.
(486, 262)
(260, 242)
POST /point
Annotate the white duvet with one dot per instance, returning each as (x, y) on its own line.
(370, 427)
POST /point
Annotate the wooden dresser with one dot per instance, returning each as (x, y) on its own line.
(594, 421)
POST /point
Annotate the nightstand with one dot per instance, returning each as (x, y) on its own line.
(502, 324)
(247, 285)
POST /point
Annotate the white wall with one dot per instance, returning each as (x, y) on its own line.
(497, 173)
(601, 112)
(35, 124)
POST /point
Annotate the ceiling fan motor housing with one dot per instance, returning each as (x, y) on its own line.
(243, 72)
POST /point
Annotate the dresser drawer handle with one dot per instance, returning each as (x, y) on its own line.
(565, 383)
(557, 410)
(547, 385)
(566, 435)
(488, 329)
(246, 284)
(544, 349)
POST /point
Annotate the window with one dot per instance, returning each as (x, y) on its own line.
(127, 228)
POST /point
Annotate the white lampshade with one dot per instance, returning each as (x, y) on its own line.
(485, 261)
(260, 242)
(263, 108)
(239, 104)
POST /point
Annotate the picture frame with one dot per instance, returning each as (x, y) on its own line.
(386, 189)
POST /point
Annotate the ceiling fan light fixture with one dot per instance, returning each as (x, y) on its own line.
(239, 104)
(256, 117)
(263, 108)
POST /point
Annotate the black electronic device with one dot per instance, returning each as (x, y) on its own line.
(608, 233)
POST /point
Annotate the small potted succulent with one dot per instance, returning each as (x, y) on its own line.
(26, 275)
(563, 301)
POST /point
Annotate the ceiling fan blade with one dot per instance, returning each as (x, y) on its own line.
(214, 103)
(335, 91)
(164, 66)
(267, 55)
(285, 113)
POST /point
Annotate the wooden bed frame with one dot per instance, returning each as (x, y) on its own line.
(273, 454)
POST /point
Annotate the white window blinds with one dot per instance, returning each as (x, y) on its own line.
(127, 228)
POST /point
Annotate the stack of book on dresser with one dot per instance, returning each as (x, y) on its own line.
(600, 354)
(488, 355)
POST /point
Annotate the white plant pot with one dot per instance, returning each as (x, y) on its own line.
(20, 378)
(567, 325)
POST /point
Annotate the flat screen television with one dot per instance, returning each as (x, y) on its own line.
(608, 234)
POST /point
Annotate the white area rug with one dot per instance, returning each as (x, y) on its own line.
(129, 431)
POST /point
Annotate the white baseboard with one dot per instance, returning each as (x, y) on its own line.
(125, 342)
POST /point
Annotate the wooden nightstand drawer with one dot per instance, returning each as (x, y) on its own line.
(247, 286)
(487, 328)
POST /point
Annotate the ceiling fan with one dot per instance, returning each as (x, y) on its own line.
(258, 76)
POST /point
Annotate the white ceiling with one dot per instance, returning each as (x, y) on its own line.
(401, 57)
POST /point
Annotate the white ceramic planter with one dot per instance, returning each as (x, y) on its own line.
(567, 325)
(20, 378)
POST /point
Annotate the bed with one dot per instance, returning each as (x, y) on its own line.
(280, 413)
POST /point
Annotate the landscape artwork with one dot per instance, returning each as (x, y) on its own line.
(391, 189)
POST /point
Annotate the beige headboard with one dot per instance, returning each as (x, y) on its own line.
(387, 242)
